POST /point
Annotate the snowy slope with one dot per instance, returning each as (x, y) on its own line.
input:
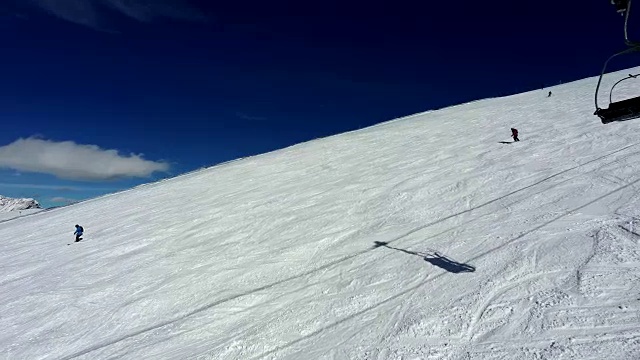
(420, 238)
(9, 215)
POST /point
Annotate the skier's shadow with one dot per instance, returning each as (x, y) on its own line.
(505, 142)
(434, 259)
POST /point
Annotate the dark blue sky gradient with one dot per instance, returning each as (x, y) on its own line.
(259, 76)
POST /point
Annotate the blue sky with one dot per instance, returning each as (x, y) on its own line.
(182, 84)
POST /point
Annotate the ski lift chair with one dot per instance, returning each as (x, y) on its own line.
(620, 110)
(624, 109)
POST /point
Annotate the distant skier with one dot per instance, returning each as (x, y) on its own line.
(514, 134)
(549, 94)
(78, 232)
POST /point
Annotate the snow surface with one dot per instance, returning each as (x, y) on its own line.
(9, 215)
(420, 238)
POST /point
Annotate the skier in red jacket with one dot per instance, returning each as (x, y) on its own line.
(514, 134)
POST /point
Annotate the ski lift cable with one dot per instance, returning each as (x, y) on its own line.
(626, 21)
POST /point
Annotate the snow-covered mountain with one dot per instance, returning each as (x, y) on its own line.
(9, 204)
(11, 208)
(428, 237)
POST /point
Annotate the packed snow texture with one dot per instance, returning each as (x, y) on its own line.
(427, 237)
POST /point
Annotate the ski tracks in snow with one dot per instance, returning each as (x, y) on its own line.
(275, 256)
(400, 311)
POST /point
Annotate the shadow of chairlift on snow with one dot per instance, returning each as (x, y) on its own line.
(434, 259)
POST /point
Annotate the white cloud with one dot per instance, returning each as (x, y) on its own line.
(91, 12)
(69, 160)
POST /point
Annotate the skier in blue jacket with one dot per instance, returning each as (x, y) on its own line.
(78, 232)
